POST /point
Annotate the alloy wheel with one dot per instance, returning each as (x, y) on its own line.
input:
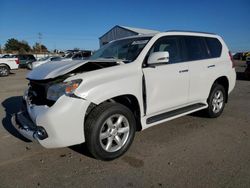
(114, 133)
(218, 101)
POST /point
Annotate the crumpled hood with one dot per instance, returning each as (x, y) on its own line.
(54, 69)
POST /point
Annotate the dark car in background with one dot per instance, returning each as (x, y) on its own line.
(238, 56)
(25, 59)
(241, 56)
(247, 70)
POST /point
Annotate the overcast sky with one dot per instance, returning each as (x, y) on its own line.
(68, 24)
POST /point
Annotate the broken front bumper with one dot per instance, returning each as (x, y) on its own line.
(60, 125)
(27, 128)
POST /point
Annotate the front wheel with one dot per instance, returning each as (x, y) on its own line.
(216, 101)
(30, 66)
(109, 130)
(4, 70)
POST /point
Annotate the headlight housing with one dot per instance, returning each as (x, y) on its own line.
(64, 88)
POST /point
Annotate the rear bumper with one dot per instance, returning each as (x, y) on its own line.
(232, 80)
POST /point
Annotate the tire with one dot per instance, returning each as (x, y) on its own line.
(4, 70)
(29, 66)
(103, 132)
(216, 101)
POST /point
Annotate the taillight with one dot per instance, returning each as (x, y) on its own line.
(232, 59)
(17, 61)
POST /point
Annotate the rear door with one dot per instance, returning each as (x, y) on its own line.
(167, 84)
(203, 55)
(22, 59)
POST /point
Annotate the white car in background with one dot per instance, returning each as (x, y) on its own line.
(43, 61)
(7, 64)
(83, 55)
(6, 55)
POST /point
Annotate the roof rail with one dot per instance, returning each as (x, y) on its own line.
(190, 31)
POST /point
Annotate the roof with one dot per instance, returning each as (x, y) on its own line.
(187, 31)
(140, 30)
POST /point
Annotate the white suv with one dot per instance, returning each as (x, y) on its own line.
(126, 86)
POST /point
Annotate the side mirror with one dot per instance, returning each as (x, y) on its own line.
(158, 58)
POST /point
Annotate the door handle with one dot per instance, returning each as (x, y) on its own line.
(182, 71)
(210, 66)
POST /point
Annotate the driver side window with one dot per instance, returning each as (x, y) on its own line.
(171, 44)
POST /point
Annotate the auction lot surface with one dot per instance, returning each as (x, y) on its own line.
(191, 151)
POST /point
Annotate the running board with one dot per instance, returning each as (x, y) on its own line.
(172, 113)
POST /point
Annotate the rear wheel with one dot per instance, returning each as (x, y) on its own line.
(216, 101)
(109, 130)
(4, 70)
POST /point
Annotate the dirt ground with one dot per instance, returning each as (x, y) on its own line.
(191, 151)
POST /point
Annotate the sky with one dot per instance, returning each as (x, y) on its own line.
(65, 24)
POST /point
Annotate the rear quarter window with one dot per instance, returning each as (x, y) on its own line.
(214, 47)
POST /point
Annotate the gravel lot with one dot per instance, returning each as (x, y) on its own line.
(191, 151)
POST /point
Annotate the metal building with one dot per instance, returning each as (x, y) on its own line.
(118, 32)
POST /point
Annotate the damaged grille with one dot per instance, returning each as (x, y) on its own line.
(38, 93)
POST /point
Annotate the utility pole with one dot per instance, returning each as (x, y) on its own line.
(40, 40)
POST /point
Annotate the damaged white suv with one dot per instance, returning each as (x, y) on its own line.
(126, 86)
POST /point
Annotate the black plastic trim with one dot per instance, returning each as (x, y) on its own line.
(144, 94)
(172, 113)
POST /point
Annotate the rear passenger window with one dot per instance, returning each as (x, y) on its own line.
(214, 47)
(196, 48)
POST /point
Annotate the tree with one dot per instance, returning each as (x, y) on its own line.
(13, 45)
(39, 48)
(44, 48)
(36, 47)
(24, 46)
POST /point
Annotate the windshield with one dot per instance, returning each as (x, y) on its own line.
(125, 49)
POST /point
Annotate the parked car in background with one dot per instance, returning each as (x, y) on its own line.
(245, 56)
(41, 61)
(128, 85)
(7, 64)
(83, 55)
(6, 56)
(238, 56)
(25, 59)
(247, 70)
(241, 56)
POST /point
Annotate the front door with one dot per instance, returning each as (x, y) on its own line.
(167, 84)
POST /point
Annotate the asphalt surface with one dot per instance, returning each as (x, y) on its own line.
(191, 151)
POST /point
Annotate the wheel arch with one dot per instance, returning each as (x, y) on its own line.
(5, 65)
(128, 100)
(224, 81)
